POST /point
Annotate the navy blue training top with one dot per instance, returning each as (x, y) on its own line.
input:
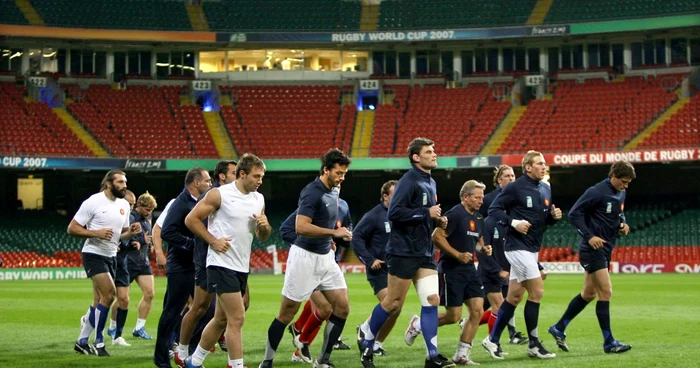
(321, 205)
(463, 233)
(495, 236)
(599, 212)
(180, 239)
(409, 215)
(133, 256)
(370, 236)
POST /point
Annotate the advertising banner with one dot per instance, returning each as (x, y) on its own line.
(7, 274)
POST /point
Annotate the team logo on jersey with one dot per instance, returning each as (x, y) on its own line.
(387, 226)
(608, 207)
(338, 224)
(472, 225)
(121, 211)
(622, 206)
(496, 235)
(528, 199)
(546, 202)
(425, 198)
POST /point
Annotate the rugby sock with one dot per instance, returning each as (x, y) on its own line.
(183, 351)
(376, 321)
(313, 334)
(101, 314)
(121, 320)
(334, 328)
(505, 313)
(532, 315)
(485, 318)
(235, 363)
(304, 316)
(87, 327)
(575, 307)
(274, 336)
(140, 323)
(602, 310)
(492, 320)
(198, 356)
(112, 324)
(429, 326)
(378, 345)
(313, 324)
(511, 327)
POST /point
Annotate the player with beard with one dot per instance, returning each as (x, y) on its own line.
(103, 219)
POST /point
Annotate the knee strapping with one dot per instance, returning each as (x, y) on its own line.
(427, 286)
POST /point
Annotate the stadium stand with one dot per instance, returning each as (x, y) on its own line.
(681, 130)
(10, 13)
(460, 119)
(114, 14)
(31, 128)
(117, 118)
(279, 15)
(563, 11)
(313, 120)
(611, 112)
(438, 14)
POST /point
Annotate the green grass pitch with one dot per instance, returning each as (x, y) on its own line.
(659, 315)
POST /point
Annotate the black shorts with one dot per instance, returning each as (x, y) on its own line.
(121, 278)
(406, 267)
(136, 270)
(96, 264)
(221, 280)
(377, 279)
(493, 283)
(594, 260)
(200, 276)
(456, 287)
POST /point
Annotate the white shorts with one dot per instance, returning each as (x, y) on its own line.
(523, 265)
(307, 271)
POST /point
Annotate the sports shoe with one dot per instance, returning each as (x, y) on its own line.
(297, 358)
(178, 360)
(188, 363)
(100, 349)
(222, 343)
(518, 338)
(411, 332)
(327, 364)
(141, 332)
(340, 345)
(616, 347)
(367, 358)
(119, 341)
(360, 337)
(559, 337)
(493, 348)
(440, 361)
(294, 332)
(380, 352)
(265, 364)
(112, 332)
(463, 359)
(303, 348)
(536, 350)
(85, 349)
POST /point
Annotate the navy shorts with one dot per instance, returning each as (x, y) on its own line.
(223, 280)
(200, 276)
(493, 283)
(121, 278)
(377, 279)
(456, 287)
(406, 267)
(594, 259)
(96, 264)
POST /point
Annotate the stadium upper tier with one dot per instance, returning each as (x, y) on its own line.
(330, 15)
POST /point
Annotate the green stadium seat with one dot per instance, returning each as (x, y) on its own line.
(595, 10)
(10, 13)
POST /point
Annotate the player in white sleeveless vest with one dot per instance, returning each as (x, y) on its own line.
(236, 213)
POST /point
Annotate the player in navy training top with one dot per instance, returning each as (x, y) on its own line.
(460, 282)
(526, 206)
(311, 261)
(413, 214)
(369, 242)
(495, 271)
(598, 217)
